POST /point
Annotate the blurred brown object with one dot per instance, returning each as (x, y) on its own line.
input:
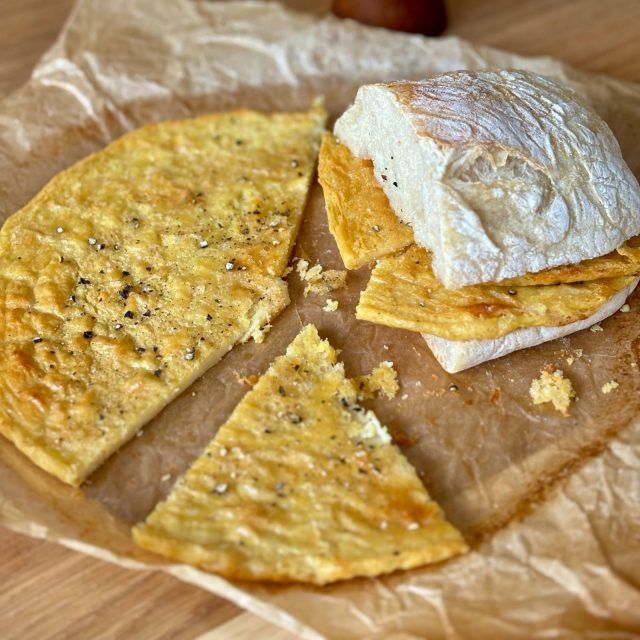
(414, 16)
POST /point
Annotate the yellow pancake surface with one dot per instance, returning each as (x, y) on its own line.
(138, 268)
(301, 484)
(403, 292)
(360, 217)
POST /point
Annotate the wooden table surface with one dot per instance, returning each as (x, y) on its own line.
(49, 592)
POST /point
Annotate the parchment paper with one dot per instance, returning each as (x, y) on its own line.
(566, 567)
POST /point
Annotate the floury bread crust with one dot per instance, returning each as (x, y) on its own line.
(459, 154)
(456, 356)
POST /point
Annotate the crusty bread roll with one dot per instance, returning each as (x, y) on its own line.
(456, 356)
(500, 173)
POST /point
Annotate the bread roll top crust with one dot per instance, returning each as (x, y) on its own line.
(500, 173)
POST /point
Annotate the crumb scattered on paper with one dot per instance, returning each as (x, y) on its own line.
(331, 305)
(250, 379)
(383, 380)
(552, 387)
(625, 308)
(319, 281)
(610, 386)
(576, 355)
(596, 328)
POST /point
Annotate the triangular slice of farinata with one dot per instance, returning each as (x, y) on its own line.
(138, 268)
(301, 484)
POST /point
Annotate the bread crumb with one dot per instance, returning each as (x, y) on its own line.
(318, 281)
(331, 305)
(625, 308)
(596, 328)
(570, 360)
(608, 387)
(166, 477)
(383, 380)
(552, 387)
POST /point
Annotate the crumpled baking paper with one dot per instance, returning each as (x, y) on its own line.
(551, 504)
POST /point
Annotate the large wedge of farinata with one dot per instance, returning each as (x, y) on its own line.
(301, 484)
(136, 269)
(404, 292)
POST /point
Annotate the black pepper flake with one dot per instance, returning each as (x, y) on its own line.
(281, 391)
(267, 431)
(157, 373)
(209, 316)
(238, 142)
(395, 184)
(37, 340)
(124, 292)
(147, 313)
(84, 281)
(101, 246)
(140, 349)
(125, 273)
(453, 387)
(383, 176)
(88, 335)
(128, 314)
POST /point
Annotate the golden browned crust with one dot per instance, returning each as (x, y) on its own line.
(139, 267)
(301, 484)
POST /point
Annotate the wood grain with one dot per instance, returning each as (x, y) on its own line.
(49, 592)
